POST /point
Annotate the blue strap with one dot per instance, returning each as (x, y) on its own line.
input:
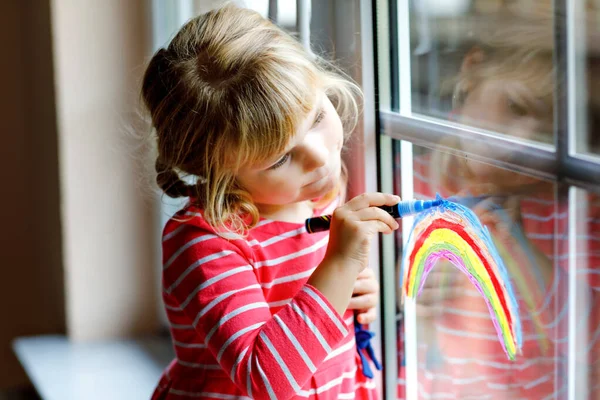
(363, 342)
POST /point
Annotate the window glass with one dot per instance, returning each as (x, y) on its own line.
(487, 64)
(525, 71)
(582, 246)
(458, 353)
(586, 67)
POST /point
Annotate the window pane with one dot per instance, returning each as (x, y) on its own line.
(487, 64)
(458, 351)
(583, 248)
(586, 66)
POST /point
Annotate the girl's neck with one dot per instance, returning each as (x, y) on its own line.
(295, 212)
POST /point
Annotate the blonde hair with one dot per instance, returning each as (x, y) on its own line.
(523, 54)
(230, 90)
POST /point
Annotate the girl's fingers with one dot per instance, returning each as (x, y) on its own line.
(489, 220)
(366, 273)
(367, 316)
(366, 285)
(372, 200)
(377, 214)
(382, 227)
(379, 226)
(363, 302)
(513, 203)
(485, 206)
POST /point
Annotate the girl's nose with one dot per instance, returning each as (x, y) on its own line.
(316, 154)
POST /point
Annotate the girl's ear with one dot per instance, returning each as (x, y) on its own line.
(474, 57)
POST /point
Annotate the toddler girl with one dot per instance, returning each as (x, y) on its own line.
(259, 308)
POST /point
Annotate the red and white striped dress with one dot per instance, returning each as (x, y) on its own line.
(244, 321)
(464, 359)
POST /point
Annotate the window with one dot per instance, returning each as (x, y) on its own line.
(495, 98)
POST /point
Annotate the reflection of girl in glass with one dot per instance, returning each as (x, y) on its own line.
(503, 86)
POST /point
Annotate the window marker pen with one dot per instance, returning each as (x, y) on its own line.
(402, 209)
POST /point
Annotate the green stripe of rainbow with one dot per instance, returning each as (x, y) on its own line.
(453, 232)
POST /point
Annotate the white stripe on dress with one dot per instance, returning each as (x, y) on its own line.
(312, 327)
(187, 246)
(266, 382)
(237, 311)
(351, 345)
(189, 345)
(296, 344)
(220, 298)
(235, 336)
(278, 238)
(286, 279)
(281, 363)
(326, 308)
(195, 265)
(237, 362)
(208, 394)
(212, 280)
(279, 303)
(307, 250)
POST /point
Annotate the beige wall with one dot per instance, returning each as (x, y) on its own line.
(109, 223)
(31, 295)
(78, 253)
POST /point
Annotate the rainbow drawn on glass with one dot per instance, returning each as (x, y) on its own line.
(402, 209)
(453, 232)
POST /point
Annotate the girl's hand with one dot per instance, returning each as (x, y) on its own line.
(500, 215)
(353, 226)
(365, 297)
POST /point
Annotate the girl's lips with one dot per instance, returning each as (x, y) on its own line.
(327, 175)
(324, 177)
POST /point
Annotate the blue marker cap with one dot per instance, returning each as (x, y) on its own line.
(410, 207)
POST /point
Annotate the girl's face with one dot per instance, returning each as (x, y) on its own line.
(309, 168)
(501, 106)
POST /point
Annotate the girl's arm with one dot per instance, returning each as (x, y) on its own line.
(213, 289)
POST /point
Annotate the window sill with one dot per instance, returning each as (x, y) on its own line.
(126, 369)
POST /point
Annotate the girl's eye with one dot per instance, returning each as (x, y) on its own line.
(517, 109)
(320, 117)
(459, 98)
(281, 161)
